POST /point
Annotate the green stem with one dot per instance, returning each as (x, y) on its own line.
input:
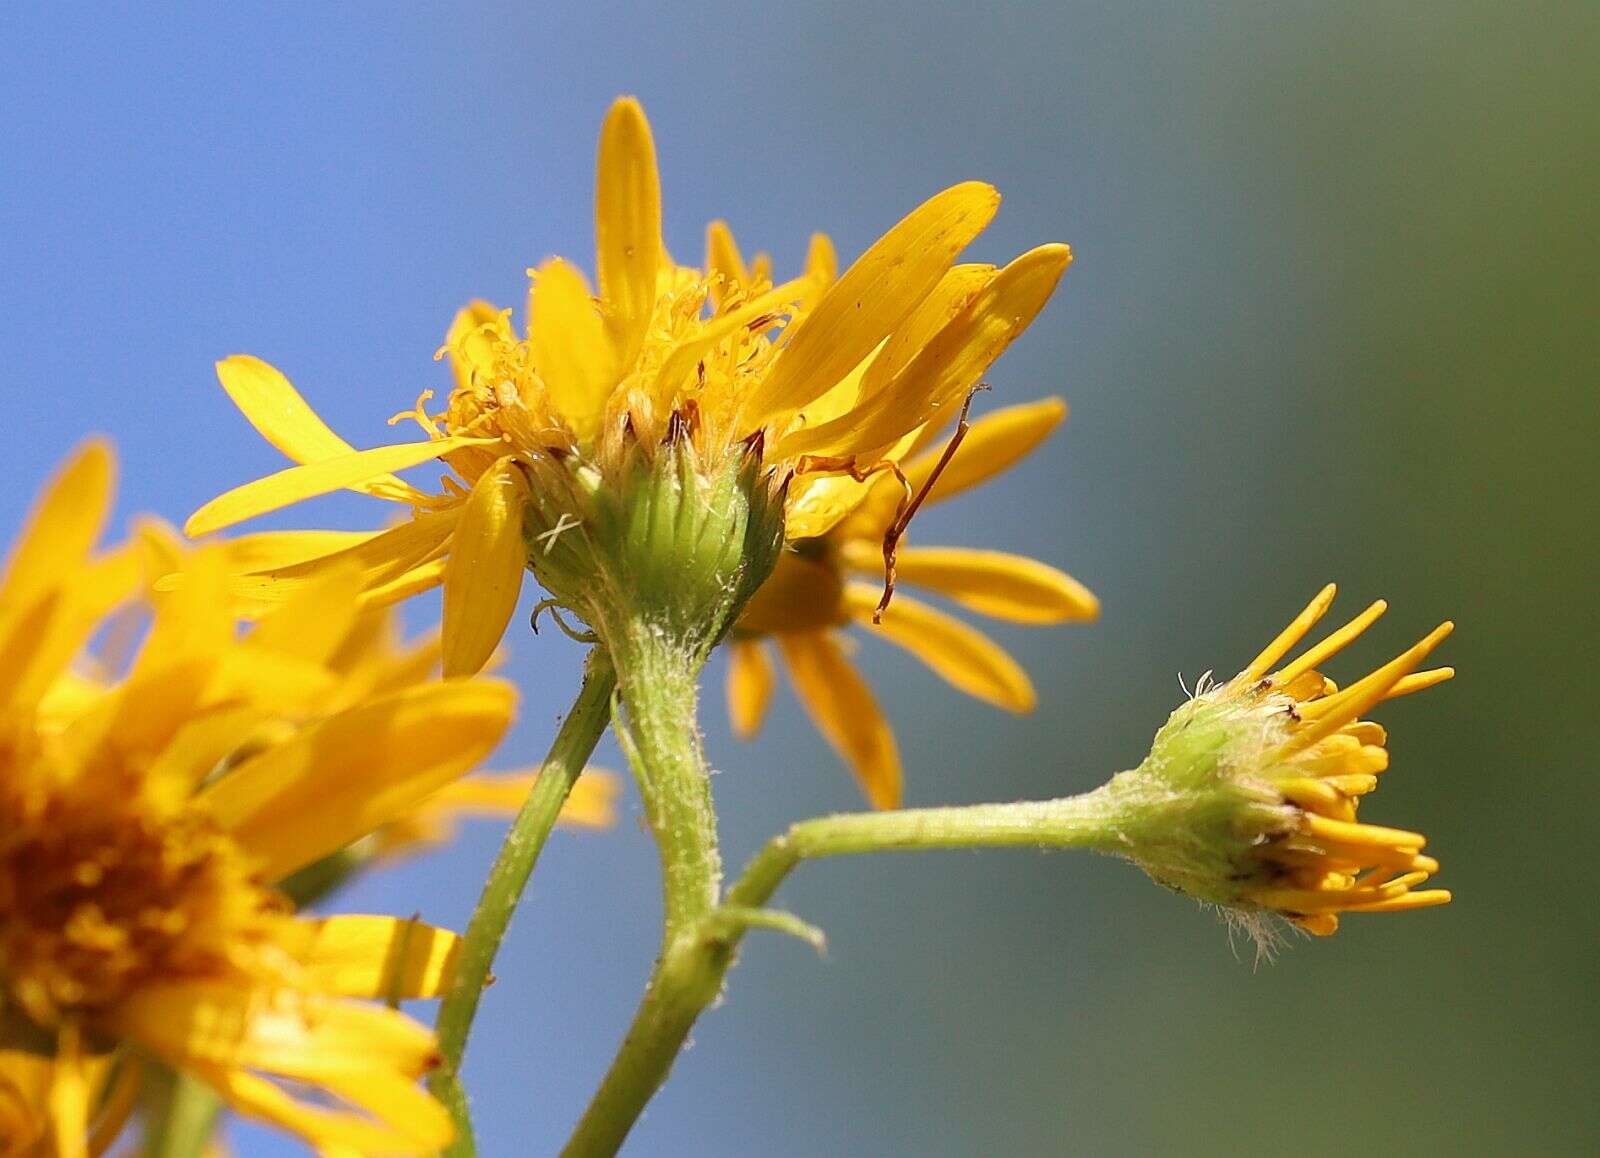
(183, 1118)
(695, 960)
(1088, 821)
(659, 735)
(573, 745)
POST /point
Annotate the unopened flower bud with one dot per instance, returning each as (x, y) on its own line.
(1248, 798)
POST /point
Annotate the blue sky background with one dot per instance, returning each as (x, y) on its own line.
(1332, 316)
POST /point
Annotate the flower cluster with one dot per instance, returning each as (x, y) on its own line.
(196, 741)
(670, 432)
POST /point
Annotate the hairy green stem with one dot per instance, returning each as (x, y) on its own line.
(1088, 821)
(696, 957)
(573, 745)
(659, 734)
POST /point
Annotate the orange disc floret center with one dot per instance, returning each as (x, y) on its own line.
(98, 898)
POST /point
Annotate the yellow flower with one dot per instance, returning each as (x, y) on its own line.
(1324, 760)
(372, 659)
(810, 597)
(592, 803)
(810, 388)
(140, 832)
(1250, 793)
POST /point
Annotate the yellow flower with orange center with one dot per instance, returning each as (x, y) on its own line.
(143, 823)
(806, 391)
(811, 596)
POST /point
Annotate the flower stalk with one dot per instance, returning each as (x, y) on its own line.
(696, 957)
(573, 745)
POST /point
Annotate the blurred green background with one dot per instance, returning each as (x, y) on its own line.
(1335, 314)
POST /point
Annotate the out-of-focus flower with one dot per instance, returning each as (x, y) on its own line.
(143, 823)
(372, 658)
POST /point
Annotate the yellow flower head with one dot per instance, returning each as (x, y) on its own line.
(1251, 788)
(143, 824)
(370, 658)
(772, 406)
(811, 596)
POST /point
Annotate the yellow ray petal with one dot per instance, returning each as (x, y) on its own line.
(344, 777)
(315, 621)
(822, 262)
(281, 416)
(961, 654)
(199, 746)
(379, 957)
(309, 1035)
(193, 621)
(275, 550)
(872, 297)
(22, 641)
(955, 291)
(299, 483)
(627, 217)
(570, 347)
(467, 343)
(330, 1132)
(995, 583)
(220, 1032)
(1326, 716)
(41, 639)
(389, 1098)
(590, 804)
(818, 503)
(750, 683)
(723, 258)
(380, 559)
(931, 385)
(1313, 657)
(1418, 681)
(844, 710)
(63, 526)
(483, 578)
(1291, 635)
(993, 445)
(413, 582)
